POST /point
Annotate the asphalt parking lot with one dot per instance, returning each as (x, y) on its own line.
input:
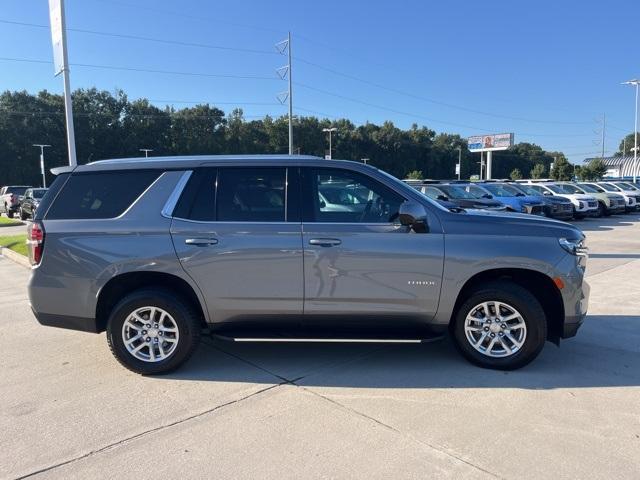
(282, 411)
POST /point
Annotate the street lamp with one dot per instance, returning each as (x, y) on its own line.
(42, 147)
(329, 131)
(635, 82)
(146, 151)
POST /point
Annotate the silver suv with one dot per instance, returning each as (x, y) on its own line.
(157, 252)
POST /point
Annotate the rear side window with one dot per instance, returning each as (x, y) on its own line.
(251, 195)
(100, 195)
(246, 194)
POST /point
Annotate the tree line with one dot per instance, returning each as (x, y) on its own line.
(110, 125)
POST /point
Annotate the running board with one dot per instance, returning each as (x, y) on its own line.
(326, 340)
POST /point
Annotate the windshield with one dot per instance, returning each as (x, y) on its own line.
(625, 186)
(456, 192)
(564, 188)
(608, 187)
(17, 190)
(501, 190)
(591, 188)
(529, 190)
(476, 191)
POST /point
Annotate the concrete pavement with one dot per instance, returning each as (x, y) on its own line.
(69, 410)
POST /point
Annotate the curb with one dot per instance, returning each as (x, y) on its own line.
(15, 257)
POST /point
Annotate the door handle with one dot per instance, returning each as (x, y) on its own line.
(201, 242)
(325, 242)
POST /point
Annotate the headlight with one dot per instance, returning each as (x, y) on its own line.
(574, 246)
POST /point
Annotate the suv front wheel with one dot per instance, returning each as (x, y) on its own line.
(153, 331)
(500, 325)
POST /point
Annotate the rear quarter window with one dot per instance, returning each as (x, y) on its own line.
(100, 194)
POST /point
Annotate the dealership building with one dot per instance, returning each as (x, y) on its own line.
(618, 166)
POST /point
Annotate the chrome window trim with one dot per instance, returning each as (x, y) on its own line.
(172, 201)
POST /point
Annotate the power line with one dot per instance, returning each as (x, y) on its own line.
(146, 70)
(147, 39)
(431, 100)
(307, 62)
(429, 119)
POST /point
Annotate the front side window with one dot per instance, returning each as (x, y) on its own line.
(343, 196)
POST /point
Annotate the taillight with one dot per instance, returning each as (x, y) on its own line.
(35, 240)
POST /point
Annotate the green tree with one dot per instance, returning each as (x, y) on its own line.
(415, 175)
(627, 144)
(562, 169)
(594, 170)
(538, 171)
(515, 174)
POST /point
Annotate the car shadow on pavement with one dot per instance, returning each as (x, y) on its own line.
(606, 353)
(606, 223)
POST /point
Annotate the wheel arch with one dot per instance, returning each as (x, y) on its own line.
(539, 284)
(120, 285)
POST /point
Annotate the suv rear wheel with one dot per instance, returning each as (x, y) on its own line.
(153, 331)
(500, 325)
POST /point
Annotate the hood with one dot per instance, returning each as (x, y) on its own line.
(476, 203)
(508, 224)
(555, 200)
(529, 200)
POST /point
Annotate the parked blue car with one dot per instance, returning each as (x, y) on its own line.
(515, 200)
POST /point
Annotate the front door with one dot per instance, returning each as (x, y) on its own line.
(237, 234)
(360, 264)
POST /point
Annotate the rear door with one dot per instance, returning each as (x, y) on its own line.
(237, 232)
(360, 264)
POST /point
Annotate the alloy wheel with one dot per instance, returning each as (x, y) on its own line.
(495, 329)
(150, 334)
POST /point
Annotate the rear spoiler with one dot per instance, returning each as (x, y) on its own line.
(66, 169)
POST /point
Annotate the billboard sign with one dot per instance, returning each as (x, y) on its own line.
(57, 26)
(490, 143)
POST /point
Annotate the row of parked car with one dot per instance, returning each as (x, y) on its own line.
(20, 200)
(559, 200)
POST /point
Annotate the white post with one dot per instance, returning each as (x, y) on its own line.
(488, 175)
(68, 109)
(44, 180)
(459, 161)
(290, 99)
(635, 131)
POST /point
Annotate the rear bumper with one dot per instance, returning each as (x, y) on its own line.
(70, 323)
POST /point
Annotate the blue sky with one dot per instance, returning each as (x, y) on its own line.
(546, 70)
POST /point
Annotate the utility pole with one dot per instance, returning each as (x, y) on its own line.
(604, 127)
(635, 82)
(42, 147)
(61, 65)
(459, 160)
(146, 151)
(283, 46)
(329, 131)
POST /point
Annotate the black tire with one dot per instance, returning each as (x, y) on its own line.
(10, 213)
(601, 210)
(23, 216)
(185, 317)
(525, 303)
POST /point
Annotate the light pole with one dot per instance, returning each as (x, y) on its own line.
(635, 82)
(146, 151)
(459, 160)
(42, 147)
(329, 131)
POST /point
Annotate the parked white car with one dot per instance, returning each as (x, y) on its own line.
(584, 205)
(631, 197)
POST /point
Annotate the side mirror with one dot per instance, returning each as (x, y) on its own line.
(442, 197)
(414, 215)
(322, 204)
(487, 196)
(548, 194)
